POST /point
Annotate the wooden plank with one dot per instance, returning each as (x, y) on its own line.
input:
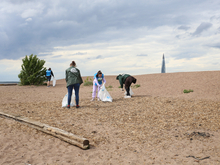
(56, 132)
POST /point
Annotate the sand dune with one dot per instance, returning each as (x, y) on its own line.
(154, 127)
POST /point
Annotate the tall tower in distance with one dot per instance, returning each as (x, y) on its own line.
(163, 69)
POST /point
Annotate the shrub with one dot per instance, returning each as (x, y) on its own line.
(33, 71)
(88, 82)
(187, 91)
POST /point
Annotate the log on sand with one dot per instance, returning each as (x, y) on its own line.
(59, 133)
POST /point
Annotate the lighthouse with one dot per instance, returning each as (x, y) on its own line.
(163, 69)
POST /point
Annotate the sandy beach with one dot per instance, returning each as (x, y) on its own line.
(159, 125)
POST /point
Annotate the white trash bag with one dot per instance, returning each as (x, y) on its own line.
(131, 92)
(54, 81)
(104, 95)
(65, 100)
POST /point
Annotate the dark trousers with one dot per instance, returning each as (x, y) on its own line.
(70, 90)
(129, 80)
(48, 78)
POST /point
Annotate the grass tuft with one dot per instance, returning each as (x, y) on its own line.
(88, 82)
(187, 91)
(136, 86)
(109, 88)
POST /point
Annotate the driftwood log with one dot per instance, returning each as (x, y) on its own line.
(59, 133)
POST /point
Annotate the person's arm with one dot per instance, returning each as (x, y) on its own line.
(80, 75)
(104, 80)
(52, 73)
(121, 82)
(96, 81)
(66, 77)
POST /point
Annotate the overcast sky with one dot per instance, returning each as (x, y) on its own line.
(123, 36)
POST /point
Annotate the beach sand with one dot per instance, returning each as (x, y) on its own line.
(159, 125)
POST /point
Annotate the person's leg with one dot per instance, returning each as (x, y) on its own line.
(70, 90)
(76, 88)
(94, 91)
(49, 80)
(128, 82)
(98, 93)
(128, 91)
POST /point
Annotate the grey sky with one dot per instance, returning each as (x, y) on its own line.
(202, 27)
(179, 29)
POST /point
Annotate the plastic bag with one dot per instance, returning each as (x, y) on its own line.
(104, 95)
(131, 92)
(65, 100)
(54, 81)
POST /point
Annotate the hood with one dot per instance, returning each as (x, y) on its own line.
(117, 78)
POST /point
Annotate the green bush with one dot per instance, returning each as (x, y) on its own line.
(187, 91)
(33, 71)
(88, 82)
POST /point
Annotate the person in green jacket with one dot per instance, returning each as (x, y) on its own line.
(127, 80)
(73, 80)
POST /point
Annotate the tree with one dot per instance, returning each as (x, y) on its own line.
(33, 71)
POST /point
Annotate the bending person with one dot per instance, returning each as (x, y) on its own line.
(73, 80)
(97, 83)
(127, 80)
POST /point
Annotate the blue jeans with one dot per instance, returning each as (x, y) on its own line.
(70, 90)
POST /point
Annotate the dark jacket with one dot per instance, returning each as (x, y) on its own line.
(122, 78)
(73, 76)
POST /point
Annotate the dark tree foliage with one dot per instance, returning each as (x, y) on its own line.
(33, 71)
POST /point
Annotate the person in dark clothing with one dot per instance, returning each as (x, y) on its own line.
(73, 81)
(49, 72)
(127, 80)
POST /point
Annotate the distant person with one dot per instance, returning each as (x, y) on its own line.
(127, 80)
(49, 72)
(97, 83)
(73, 80)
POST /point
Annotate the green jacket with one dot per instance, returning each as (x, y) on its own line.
(122, 78)
(73, 76)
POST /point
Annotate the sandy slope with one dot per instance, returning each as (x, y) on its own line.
(153, 127)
